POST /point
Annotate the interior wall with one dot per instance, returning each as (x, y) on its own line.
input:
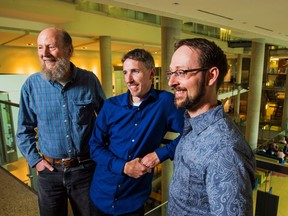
(18, 60)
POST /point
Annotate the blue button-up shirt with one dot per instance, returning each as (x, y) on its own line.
(213, 168)
(122, 133)
(64, 116)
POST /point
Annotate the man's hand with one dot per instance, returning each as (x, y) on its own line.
(43, 164)
(135, 169)
(150, 160)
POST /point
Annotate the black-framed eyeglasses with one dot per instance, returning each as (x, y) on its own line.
(181, 73)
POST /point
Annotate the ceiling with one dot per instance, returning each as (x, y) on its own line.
(247, 20)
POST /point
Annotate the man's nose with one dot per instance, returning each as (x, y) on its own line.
(172, 80)
(129, 78)
(45, 51)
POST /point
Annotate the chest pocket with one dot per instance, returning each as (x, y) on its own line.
(83, 111)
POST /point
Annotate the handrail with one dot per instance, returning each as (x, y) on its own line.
(162, 204)
(275, 167)
(9, 103)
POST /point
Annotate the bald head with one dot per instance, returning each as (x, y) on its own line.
(55, 50)
(60, 35)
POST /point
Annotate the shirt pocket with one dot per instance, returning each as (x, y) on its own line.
(83, 111)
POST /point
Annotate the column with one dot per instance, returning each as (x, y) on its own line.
(170, 33)
(238, 83)
(254, 94)
(106, 65)
(285, 108)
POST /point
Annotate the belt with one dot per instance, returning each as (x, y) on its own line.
(67, 162)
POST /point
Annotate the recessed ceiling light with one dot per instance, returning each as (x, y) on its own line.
(29, 44)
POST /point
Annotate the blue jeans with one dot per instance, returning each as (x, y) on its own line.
(56, 187)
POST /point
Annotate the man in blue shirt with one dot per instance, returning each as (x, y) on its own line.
(60, 103)
(214, 166)
(126, 139)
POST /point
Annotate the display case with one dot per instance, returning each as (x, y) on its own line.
(8, 151)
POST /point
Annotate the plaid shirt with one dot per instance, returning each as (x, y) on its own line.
(64, 116)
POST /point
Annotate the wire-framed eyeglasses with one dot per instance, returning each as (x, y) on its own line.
(181, 73)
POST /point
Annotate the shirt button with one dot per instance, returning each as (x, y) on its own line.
(136, 124)
(64, 105)
(67, 136)
(115, 199)
(119, 186)
(65, 120)
(112, 206)
(133, 140)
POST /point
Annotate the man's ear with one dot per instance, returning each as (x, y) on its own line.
(70, 51)
(213, 74)
(153, 73)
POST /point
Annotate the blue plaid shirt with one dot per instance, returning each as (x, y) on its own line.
(64, 116)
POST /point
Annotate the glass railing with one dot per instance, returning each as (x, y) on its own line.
(272, 177)
(11, 158)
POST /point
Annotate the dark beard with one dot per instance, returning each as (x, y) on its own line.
(192, 104)
(60, 71)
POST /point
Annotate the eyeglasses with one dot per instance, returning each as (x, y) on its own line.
(181, 73)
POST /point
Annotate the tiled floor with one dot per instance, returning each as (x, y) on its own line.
(16, 199)
(20, 170)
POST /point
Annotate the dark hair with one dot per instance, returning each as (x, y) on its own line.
(210, 55)
(66, 38)
(140, 55)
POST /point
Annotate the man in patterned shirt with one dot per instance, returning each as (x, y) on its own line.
(214, 165)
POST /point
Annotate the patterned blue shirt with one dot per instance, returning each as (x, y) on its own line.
(63, 116)
(214, 168)
(122, 133)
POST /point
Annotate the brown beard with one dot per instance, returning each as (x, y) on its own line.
(60, 71)
(195, 102)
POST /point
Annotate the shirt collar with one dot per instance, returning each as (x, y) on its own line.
(152, 95)
(201, 122)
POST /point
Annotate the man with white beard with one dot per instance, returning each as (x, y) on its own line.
(60, 102)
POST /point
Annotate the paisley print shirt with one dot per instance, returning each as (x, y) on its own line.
(214, 168)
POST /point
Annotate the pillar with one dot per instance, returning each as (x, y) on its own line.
(254, 94)
(106, 65)
(238, 83)
(170, 33)
(285, 108)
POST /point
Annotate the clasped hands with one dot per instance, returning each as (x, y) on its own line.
(140, 166)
